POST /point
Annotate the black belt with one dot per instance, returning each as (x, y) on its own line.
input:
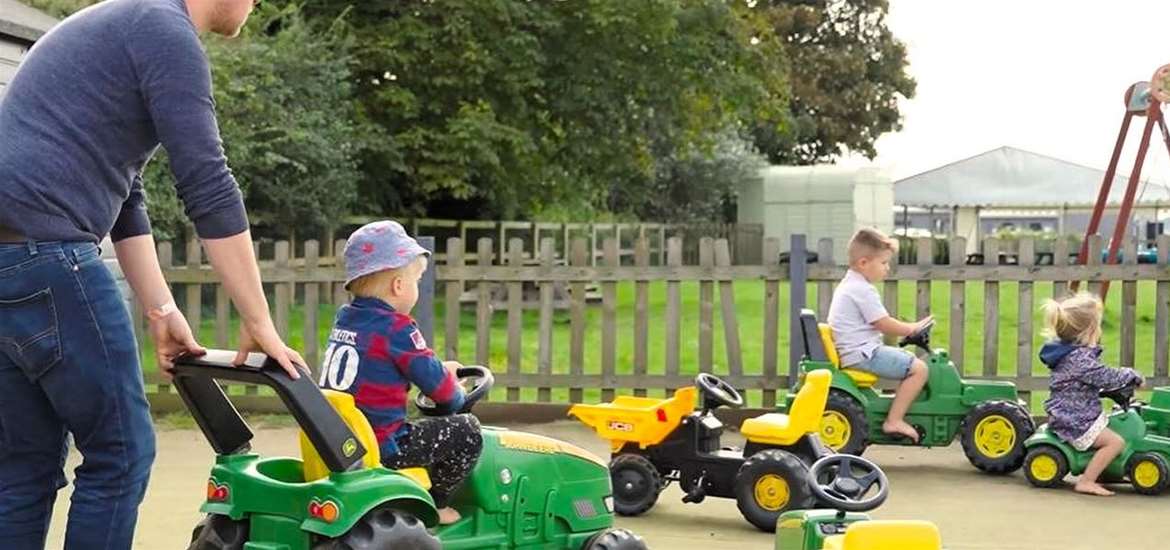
(10, 236)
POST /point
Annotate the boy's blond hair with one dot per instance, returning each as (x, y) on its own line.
(869, 242)
(375, 283)
(1075, 319)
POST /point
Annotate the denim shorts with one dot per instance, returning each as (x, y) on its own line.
(887, 362)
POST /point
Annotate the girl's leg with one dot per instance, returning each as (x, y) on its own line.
(1108, 445)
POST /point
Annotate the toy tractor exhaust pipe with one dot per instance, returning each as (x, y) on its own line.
(226, 430)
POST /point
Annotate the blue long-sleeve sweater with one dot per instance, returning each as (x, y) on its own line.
(89, 106)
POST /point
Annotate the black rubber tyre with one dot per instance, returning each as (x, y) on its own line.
(843, 408)
(1045, 467)
(770, 483)
(993, 436)
(615, 539)
(382, 529)
(1149, 473)
(636, 484)
(216, 532)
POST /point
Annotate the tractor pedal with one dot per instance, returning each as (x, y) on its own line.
(697, 493)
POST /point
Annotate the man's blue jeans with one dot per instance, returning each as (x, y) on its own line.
(68, 363)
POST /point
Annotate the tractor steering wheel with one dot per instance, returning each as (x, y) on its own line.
(919, 338)
(481, 381)
(719, 391)
(843, 481)
(1123, 396)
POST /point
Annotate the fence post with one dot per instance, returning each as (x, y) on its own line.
(454, 309)
(579, 258)
(544, 360)
(425, 309)
(958, 253)
(771, 319)
(991, 310)
(483, 305)
(925, 257)
(1128, 306)
(194, 291)
(797, 282)
(1024, 332)
(312, 299)
(641, 312)
(284, 291)
(824, 288)
(727, 307)
(609, 318)
(673, 307)
(706, 306)
(1162, 313)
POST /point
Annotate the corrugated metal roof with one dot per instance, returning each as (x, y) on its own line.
(1013, 177)
(22, 21)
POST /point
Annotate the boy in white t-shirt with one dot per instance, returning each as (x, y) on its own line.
(859, 320)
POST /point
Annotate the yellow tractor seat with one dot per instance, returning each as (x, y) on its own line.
(314, 467)
(861, 378)
(803, 417)
(887, 535)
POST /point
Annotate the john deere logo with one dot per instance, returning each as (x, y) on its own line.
(349, 447)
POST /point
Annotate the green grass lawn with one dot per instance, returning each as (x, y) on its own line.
(749, 306)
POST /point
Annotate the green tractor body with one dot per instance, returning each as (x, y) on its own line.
(1145, 461)
(808, 529)
(989, 417)
(1157, 413)
(526, 491)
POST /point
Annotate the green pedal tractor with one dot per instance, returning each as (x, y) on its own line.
(1157, 412)
(1145, 462)
(843, 525)
(526, 491)
(988, 416)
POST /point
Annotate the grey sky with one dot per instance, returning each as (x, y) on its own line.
(1042, 75)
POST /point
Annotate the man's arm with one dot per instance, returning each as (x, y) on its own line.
(233, 260)
(168, 328)
(175, 82)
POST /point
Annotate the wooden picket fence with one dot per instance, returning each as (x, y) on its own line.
(305, 282)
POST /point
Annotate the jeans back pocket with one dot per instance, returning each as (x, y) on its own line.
(29, 332)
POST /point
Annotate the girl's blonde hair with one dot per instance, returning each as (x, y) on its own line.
(1075, 319)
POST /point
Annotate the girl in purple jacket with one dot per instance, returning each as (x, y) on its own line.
(1074, 407)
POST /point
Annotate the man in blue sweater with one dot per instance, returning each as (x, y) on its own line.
(86, 110)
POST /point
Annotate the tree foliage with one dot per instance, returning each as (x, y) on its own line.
(653, 109)
(848, 72)
(520, 107)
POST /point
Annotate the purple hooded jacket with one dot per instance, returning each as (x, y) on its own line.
(1077, 376)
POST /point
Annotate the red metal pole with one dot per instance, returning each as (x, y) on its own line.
(1119, 230)
(1102, 196)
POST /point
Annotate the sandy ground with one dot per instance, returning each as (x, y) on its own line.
(974, 511)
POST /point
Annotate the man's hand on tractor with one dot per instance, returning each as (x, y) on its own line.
(172, 337)
(262, 337)
(923, 322)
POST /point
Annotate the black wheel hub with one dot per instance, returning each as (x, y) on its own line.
(630, 485)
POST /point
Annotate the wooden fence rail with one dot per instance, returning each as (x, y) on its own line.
(609, 352)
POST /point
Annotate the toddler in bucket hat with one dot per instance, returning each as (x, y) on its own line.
(377, 353)
(379, 246)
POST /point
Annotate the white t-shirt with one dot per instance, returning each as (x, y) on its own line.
(856, 306)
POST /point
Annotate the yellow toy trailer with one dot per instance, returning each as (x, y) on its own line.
(656, 441)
